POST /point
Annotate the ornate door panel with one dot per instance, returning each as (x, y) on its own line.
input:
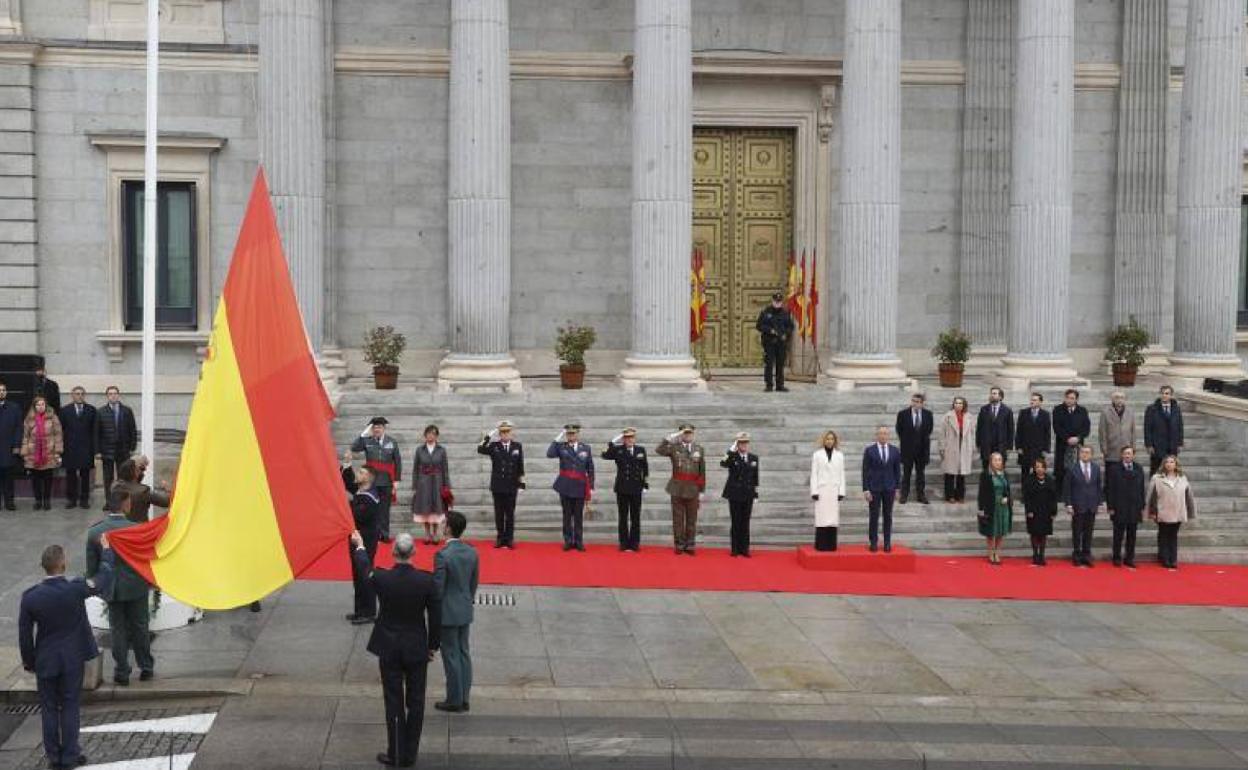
(743, 223)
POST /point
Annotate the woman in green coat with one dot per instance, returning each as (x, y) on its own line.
(995, 506)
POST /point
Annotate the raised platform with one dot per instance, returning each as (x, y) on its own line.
(857, 558)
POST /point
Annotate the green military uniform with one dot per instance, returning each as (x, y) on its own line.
(128, 612)
(687, 482)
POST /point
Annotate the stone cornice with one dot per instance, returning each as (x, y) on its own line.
(18, 51)
(111, 140)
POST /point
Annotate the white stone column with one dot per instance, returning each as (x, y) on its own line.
(1210, 169)
(1041, 194)
(291, 122)
(870, 203)
(479, 201)
(662, 197)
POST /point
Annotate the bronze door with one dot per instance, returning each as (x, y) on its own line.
(743, 224)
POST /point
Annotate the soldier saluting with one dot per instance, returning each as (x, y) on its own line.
(632, 473)
(381, 453)
(506, 480)
(575, 482)
(686, 485)
(775, 324)
(740, 490)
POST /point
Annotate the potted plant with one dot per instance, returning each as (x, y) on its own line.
(383, 347)
(952, 348)
(570, 345)
(1124, 350)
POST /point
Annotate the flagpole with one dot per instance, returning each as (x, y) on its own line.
(147, 386)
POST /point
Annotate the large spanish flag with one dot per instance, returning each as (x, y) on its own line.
(258, 497)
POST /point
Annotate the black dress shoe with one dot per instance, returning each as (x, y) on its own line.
(121, 681)
(499, 543)
(782, 389)
(567, 546)
(147, 676)
(254, 606)
(363, 620)
(466, 706)
(580, 547)
(385, 759)
(1117, 562)
(10, 507)
(873, 547)
(888, 548)
(923, 499)
(350, 617)
(1129, 564)
(768, 389)
(746, 554)
(678, 551)
(450, 708)
(71, 505)
(689, 551)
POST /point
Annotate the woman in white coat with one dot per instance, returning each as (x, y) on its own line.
(827, 489)
(957, 449)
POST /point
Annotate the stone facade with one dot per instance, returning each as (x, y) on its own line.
(387, 156)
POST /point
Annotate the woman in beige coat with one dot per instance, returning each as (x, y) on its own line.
(957, 449)
(42, 446)
(1170, 503)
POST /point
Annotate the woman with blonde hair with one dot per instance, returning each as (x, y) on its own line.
(42, 445)
(827, 489)
(1170, 503)
(956, 433)
(996, 510)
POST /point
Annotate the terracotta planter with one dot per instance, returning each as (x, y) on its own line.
(572, 376)
(1124, 375)
(951, 375)
(385, 377)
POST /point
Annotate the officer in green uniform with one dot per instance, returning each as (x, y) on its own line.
(686, 485)
(128, 613)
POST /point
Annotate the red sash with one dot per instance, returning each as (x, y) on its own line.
(579, 476)
(388, 469)
(695, 477)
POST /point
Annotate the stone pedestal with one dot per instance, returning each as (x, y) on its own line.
(870, 200)
(479, 201)
(662, 207)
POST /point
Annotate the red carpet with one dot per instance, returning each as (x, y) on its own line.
(966, 577)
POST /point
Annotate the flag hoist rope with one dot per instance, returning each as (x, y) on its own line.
(147, 388)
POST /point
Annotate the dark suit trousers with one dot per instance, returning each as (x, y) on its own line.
(917, 464)
(109, 461)
(456, 663)
(383, 512)
(505, 517)
(573, 519)
(881, 504)
(774, 354)
(1168, 542)
(1124, 533)
(955, 487)
(739, 511)
(403, 689)
(58, 701)
(1081, 527)
(6, 482)
(629, 507)
(78, 485)
(365, 597)
(128, 627)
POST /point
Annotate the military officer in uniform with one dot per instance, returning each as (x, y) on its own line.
(129, 615)
(381, 453)
(632, 474)
(506, 479)
(686, 485)
(740, 490)
(775, 324)
(575, 482)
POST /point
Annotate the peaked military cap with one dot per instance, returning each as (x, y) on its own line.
(629, 432)
(686, 427)
(572, 427)
(379, 421)
(504, 425)
(743, 436)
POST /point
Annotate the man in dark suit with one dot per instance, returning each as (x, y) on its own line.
(1163, 429)
(11, 418)
(881, 476)
(78, 431)
(632, 477)
(575, 482)
(116, 435)
(456, 572)
(404, 639)
(994, 429)
(1033, 434)
(506, 480)
(1071, 425)
(47, 388)
(1083, 493)
(914, 431)
(55, 640)
(366, 511)
(1124, 499)
(740, 490)
(129, 615)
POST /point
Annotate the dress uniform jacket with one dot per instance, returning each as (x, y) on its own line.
(688, 468)
(632, 469)
(742, 483)
(78, 431)
(576, 468)
(506, 465)
(126, 584)
(384, 452)
(142, 498)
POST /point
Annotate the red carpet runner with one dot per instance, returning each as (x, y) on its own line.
(966, 577)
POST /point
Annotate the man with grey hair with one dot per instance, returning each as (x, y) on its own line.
(405, 638)
(881, 478)
(1117, 427)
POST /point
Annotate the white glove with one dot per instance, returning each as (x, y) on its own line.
(368, 430)
(673, 436)
(619, 439)
(732, 448)
(562, 437)
(493, 434)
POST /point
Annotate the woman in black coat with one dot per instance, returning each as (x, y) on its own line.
(1040, 504)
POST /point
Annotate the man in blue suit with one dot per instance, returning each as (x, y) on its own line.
(1083, 493)
(575, 483)
(455, 573)
(56, 641)
(881, 478)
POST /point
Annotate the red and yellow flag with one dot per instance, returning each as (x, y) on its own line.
(697, 303)
(258, 496)
(812, 302)
(794, 287)
(798, 307)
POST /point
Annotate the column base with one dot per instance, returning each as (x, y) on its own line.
(641, 374)
(469, 374)
(1188, 372)
(985, 359)
(1018, 373)
(845, 374)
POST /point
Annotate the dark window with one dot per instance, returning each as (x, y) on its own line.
(1242, 318)
(176, 259)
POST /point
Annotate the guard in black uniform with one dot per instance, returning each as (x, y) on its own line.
(366, 510)
(632, 475)
(506, 479)
(776, 325)
(740, 490)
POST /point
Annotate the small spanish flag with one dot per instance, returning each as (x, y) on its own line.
(697, 303)
(258, 497)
